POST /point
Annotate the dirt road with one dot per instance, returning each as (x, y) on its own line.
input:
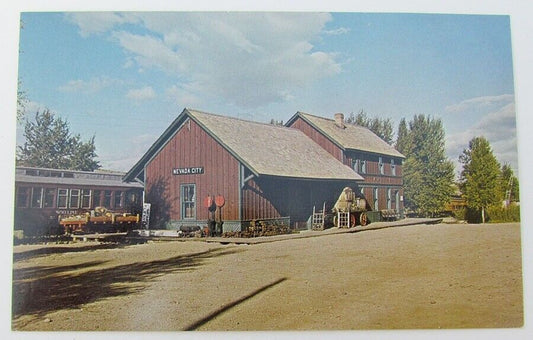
(424, 276)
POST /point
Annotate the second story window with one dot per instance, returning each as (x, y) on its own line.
(392, 167)
(356, 164)
(381, 167)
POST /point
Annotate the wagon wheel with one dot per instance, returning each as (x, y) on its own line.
(363, 219)
(353, 220)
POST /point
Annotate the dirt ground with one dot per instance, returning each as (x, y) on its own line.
(411, 277)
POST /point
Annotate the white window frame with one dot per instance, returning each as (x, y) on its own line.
(65, 195)
(187, 204)
(36, 192)
(71, 204)
(83, 196)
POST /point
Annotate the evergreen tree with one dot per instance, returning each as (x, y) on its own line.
(49, 144)
(402, 137)
(510, 184)
(427, 173)
(481, 177)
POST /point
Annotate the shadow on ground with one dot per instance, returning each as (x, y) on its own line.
(40, 290)
(60, 250)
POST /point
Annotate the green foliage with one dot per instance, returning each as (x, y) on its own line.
(510, 184)
(481, 177)
(497, 214)
(49, 144)
(494, 214)
(428, 174)
(381, 127)
(22, 100)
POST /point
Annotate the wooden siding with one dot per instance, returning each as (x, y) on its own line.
(272, 197)
(192, 146)
(318, 138)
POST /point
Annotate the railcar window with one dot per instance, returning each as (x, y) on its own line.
(36, 197)
(49, 195)
(107, 199)
(97, 199)
(74, 198)
(118, 199)
(62, 196)
(22, 197)
(86, 198)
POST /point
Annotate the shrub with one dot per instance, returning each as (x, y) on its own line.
(498, 214)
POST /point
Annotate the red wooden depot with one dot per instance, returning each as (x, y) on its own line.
(257, 170)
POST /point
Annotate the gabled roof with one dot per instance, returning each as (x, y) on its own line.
(351, 137)
(265, 149)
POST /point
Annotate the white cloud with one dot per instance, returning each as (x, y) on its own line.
(479, 102)
(182, 96)
(98, 22)
(144, 93)
(499, 128)
(245, 59)
(337, 31)
(89, 86)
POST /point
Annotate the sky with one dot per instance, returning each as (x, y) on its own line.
(125, 76)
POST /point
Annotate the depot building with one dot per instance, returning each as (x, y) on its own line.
(261, 172)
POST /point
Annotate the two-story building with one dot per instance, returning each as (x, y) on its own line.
(368, 155)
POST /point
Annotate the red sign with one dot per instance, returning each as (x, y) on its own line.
(208, 201)
(220, 201)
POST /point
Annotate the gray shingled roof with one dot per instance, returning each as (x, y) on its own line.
(267, 149)
(352, 137)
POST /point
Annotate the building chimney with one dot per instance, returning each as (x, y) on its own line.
(339, 120)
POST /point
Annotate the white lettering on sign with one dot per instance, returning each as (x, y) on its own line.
(188, 171)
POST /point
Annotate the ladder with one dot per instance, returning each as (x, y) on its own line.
(317, 220)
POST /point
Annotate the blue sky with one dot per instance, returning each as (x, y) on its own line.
(125, 76)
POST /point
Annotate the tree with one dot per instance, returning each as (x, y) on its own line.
(481, 177)
(381, 127)
(427, 173)
(50, 144)
(402, 137)
(510, 184)
(22, 100)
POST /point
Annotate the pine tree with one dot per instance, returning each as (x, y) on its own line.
(510, 184)
(50, 144)
(427, 173)
(481, 177)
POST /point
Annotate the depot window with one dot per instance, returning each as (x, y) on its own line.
(188, 201)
